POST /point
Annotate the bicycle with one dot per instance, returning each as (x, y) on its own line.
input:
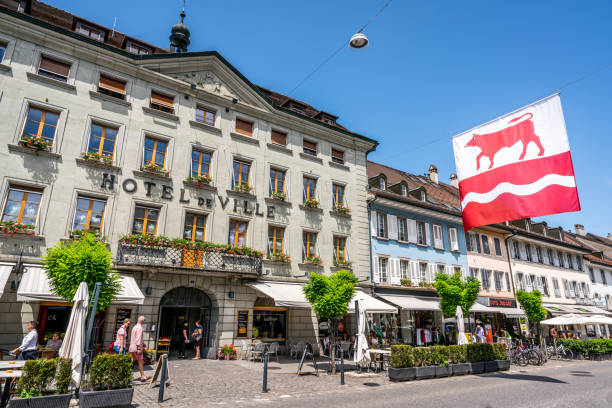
(560, 352)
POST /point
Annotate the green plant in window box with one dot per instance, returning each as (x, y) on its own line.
(242, 188)
(280, 257)
(36, 143)
(340, 209)
(405, 282)
(199, 180)
(154, 168)
(97, 158)
(311, 203)
(343, 263)
(78, 234)
(279, 195)
(12, 228)
(315, 260)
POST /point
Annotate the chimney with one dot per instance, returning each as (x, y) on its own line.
(454, 181)
(579, 229)
(609, 236)
(433, 173)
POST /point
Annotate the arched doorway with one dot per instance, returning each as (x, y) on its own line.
(180, 304)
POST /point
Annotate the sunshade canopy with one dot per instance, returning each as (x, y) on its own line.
(371, 304)
(413, 302)
(569, 318)
(5, 273)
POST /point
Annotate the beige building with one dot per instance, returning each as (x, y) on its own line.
(108, 133)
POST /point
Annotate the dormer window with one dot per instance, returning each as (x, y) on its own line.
(382, 183)
(296, 106)
(89, 31)
(423, 196)
(404, 190)
(137, 49)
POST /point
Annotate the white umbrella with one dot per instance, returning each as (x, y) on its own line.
(461, 326)
(570, 318)
(74, 339)
(598, 319)
(362, 352)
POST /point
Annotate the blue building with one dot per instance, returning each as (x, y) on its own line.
(416, 232)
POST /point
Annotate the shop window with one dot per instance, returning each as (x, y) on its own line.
(155, 152)
(244, 127)
(237, 233)
(89, 214)
(309, 189)
(337, 156)
(340, 249)
(22, 205)
(485, 244)
(41, 123)
(200, 163)
(277, 182)
(421, 233)
(383, 266)
(309, 147)
(145, 220)
(402, 229)
(269, 324)
(102, 140)
(195, 227)
(53, 69)
(497, 245)
(89, 31)
(338, 195)
(205, 115)
(241, 175)
(112, 87)
(309, 245)
(276, 240)
(279, 138)
(381, 225)
(162, 102)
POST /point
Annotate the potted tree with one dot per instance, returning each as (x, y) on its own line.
(109, 382)
(458, 360)
(33, 388)
(401, 363)
(423, 363)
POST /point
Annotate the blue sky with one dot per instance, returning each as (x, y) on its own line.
(434, 69)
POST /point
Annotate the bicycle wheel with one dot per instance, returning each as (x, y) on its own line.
(521, 359)
(566, 355)
(533, 358)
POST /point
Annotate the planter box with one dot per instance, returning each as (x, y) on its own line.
(461, 369)
(47, 401)
(490, 366)
(425, 372)
(578, 355)
(443, 371)
(503, 365)
(106, 399)
(402, 374)
(478, 368)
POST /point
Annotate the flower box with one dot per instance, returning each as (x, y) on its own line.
(154, 168)
(280, 258)
(46, 401)
(340, 209)
(443, 371)
(106, 399)
(503, 365)
(242, 188)
(461, 369)
(97, 159)
(478, 368)
(490, 366)
(279, 196)
(199, 180)
(402, 374)
(423, 373)
(313, 260)
(35, 143)
(12, 228)
(311, 203)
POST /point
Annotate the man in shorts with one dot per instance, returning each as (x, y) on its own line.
(137, 347)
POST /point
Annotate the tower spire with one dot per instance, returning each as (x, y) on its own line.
(179, 38)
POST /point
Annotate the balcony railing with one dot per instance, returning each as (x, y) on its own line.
(175, 257)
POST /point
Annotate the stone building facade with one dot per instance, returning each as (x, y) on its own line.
(146, 140)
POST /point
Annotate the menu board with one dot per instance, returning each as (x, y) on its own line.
(243, 323)
(122, 314)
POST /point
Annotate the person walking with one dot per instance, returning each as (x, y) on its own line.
(198, 335)
(27, 350)
(121, 339)
(137, 347)
(183, 338)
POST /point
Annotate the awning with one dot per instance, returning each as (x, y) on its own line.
(413, 302)
(557, 309)
(371, 304)
(5, 273)
(284, 293)
(480, 308)
(508, 311)
(35, 286)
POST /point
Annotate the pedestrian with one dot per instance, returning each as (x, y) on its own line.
(197, 335)
(137, 347)
(480, 334)
(121, 338)
(183, 338)
(27, 350)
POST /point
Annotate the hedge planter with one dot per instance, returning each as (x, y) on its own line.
(106, 399)
(423, 373)
(402, 374)
(443, 371)
(478, 368)
(490, 366)
(503, 365)
(461, 369)
(47, 401)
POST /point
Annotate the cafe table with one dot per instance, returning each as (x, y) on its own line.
(8, 372)
(378, 355)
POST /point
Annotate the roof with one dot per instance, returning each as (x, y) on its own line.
(599, 256)
(65, 22)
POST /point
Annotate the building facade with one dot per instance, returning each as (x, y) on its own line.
(107, 133)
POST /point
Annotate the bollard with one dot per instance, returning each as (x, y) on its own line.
(162, 383)
(265, 373)
(341, 367)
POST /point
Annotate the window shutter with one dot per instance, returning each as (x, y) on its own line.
(376, 268)
(279, 138)
(545, 258)
(534, 253)
(437, 237)
(412, 232)
(162, 99)
(454, 239)
(310, 145)
(523, 251)
(477, 240)
(373, 225)
(414, 271)
(556, 258)
(427, 234)
(512, 252)
(508, 282)
(392, 225)
(395, 271)
(448, 269)
(432, 272)
(338, 154)
(468, 242)
(112, 84)
(244, 127)
(51, 65)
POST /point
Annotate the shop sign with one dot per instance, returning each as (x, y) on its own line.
(243, 323)
(501, 302)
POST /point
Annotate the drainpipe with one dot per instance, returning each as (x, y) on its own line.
(509, 261)
(370, 241)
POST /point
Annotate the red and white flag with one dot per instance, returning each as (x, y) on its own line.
(516, 166)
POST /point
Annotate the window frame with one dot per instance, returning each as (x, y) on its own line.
(109, 92)
(433, 235)
(194, 226)
(81, 24)
(274, 181)
(201, 152)
(206, 109)
(163, 107)
(497, 245)
(244, 120)
(238, 222)
(383, 277)
(156, 140)
(280, 132)
(8, 49)
(306, 241)
(139, 46)
(105, 127)
(402, 224)
(146, 220)
(89, 211)
(45, 110)
(337, 160)
(336, 248)
(274, 237)
(335, 188)
(26, 190)
(306, 195)
(486, 248)
(239, 181)
(423, 233)
(385, 225)
(308, 150)
(52, 75)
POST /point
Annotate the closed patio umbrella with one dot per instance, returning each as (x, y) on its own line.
(461, 327)
(74, 339)
(362, 352)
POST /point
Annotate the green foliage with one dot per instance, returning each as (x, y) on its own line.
(440, 355)
(330, 296)
(454, 291)
(401, 356)
(532, 303)
(86, 260)
(110, 371)
(38, 375)
(64, 375)
(421, 356)
(408, 356)
(499, 351)
(574, 345)
(477, 352)
(457, 354)
(594, 346)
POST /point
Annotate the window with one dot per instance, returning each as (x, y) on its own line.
(497, 245)
(423, 196)
(279, 138)
(41, 123)
(137, 49)
(102, 140)
(383, 263)
(423, 272)
(544, 281)
(237, 233)
(200, 163)
(453, 238)
(579, 263)
(528, 251)
(338, 195)
(309, 147)
(498, 279)
(556, 287)
(603, 277)
(3, 46)
(404, 269)
(277, 181)
(381, 225)
(241, 177)
(53, 69)
(485, 245)
(205, 115)
(89, 214)
(310, 189)
(382, 183)
(421, 234)
(90, 31)
(195, 227)
(309, 245)
(402, 229)
(155, 152)
(162, 102)
(592, 275)
(404, 190)
(111, 87)
(474, 242)
(571, 258)
(515, 245)
(519, 282)
(440, 268)
(550, 256)
(508, 288)
(270, 324)
(339, 249)
(145, 220)
(485, 274)
(473, 272)
(437, 236)
(276, 240)
(337, 156)
(22, 205)
(244, 127)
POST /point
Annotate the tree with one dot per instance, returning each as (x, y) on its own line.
(87, 260)
(454, 291)
(532, 303)
(329, 297)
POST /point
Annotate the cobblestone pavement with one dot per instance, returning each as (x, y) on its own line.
(235, 383)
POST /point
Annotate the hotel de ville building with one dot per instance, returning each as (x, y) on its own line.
(104, 132)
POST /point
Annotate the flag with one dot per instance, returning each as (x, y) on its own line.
(516, 166)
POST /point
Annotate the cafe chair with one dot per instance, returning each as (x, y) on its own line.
(258, 351)
(245, 349)
(273, 350)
